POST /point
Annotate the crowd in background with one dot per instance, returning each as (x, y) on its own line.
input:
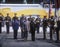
(30, 25)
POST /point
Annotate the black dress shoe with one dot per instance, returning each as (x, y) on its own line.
(44, 38)
(15, 38)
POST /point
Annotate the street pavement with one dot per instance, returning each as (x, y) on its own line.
(39, 42)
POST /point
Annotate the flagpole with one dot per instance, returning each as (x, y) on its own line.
(55, 8)
(49, 9)
(43, 2)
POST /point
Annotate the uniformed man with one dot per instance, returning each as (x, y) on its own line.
(3, 22)
(22, 25)
(15, 25)
(32, 29)
(51, 26)
(44, 26)
(26, 28)
(1, 19)
(30, 20)
(37, 21)
(8, 20)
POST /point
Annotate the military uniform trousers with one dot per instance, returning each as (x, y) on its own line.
(7, 28)
(37, 28)
(44, 32)
(25, 34)
(15, 34)
(33, 36)
(51, 32)
(22, 33)
(57, 33)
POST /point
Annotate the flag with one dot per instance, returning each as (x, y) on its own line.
(50, 8)
(57, 3)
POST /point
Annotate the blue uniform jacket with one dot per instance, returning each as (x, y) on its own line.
(15, 24)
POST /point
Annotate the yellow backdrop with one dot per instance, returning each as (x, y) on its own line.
(40, 12)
